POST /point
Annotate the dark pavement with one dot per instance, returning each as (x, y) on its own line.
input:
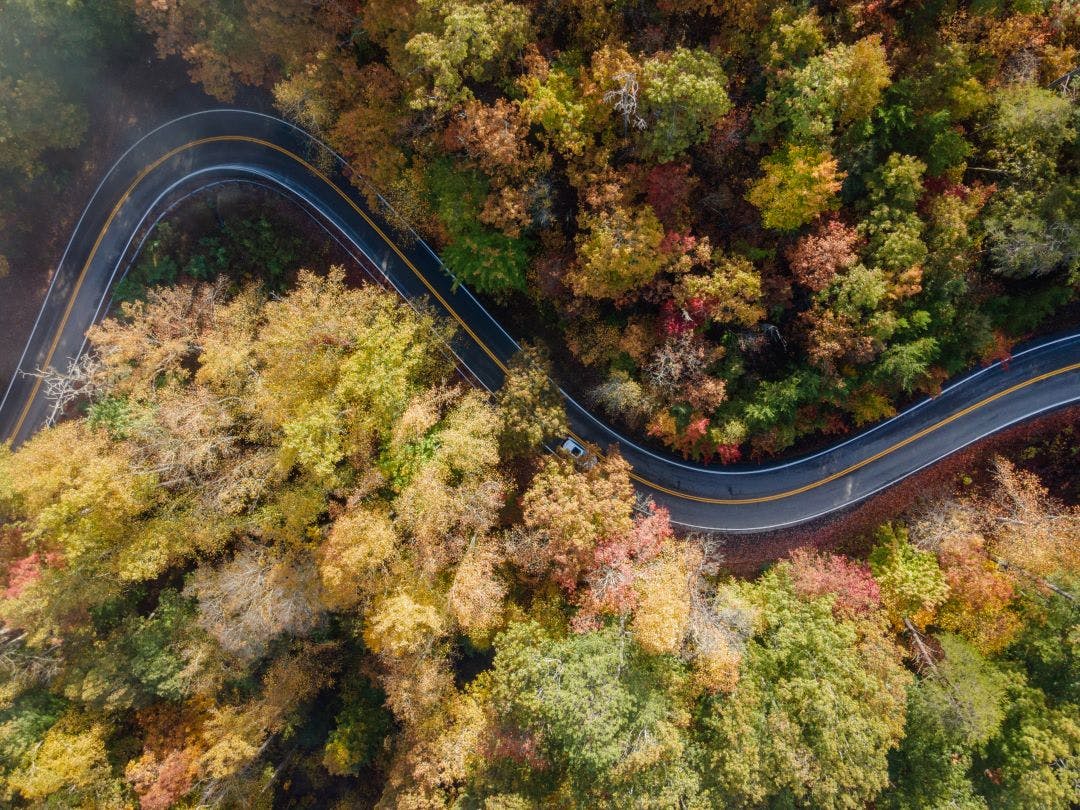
(218, 145)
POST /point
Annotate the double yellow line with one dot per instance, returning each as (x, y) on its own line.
(498, 362)
(172, 153)
(82, 277)
(902, 443)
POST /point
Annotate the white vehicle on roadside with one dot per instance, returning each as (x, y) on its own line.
(578, 452)
(574, 449)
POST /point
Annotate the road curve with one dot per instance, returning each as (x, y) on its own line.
(215, 146)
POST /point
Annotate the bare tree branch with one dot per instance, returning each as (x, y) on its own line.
(61, 388)
(625, 100)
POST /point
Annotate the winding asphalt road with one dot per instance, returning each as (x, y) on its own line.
(202, 149)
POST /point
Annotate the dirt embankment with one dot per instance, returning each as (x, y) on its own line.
(1046, 446)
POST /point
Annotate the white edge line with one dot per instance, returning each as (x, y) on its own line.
(619, 437)
(894, 482)
(280, 187)
(965, 377)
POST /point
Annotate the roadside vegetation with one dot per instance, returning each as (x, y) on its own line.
(52, 52)
(737, 226)
(287, 558)
(280, 553)
(238, 236)
(745, 223)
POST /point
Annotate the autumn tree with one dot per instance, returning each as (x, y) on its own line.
(486, 259)
(626, 571)
(841, 86)
(1017, 536)
(799, 184)
(814, 689)
(156, 339)
(603, 713)
(254, 597)
(818, 256)
(555, 102)
(683, 94)
(618, 250)
(449, 491)
(477, 593)
(402, 622)
(495, 136)
(722, 623)
(912, 585)
(448, 739)
(615, 77)
(676, 363)
(463, 42)
(662, 618)
(367, 130)
(980, 593)
(850, 584)
(328, 403)
(796, 39)
(360, 544)
(574, 510)
(247, 42)
(70, 764)
(530, 406)
(1030, 529)
(40, 107)
(624, 398)
(729, 293)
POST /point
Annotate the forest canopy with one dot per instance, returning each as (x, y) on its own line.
(281, 554)
(742, 224)
(285, 557)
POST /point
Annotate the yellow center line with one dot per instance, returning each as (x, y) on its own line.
(502, 366)
(387, 240)
(86, 267)
(847, 470)
(219, 139)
